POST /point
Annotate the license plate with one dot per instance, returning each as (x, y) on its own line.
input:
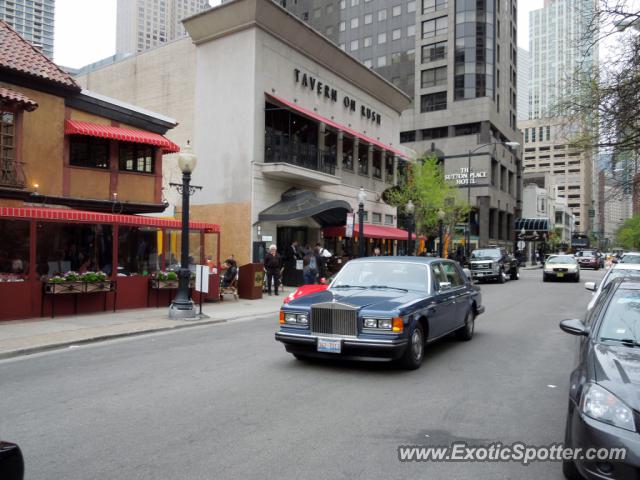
(329, 345)
(560, 275)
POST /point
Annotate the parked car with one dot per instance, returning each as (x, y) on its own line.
(493, 264)
(616, 271)
(384, 308)
(11, 461)
(604, 397)
(560, 267)
(589, 259)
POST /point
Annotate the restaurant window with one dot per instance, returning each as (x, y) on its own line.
(434, 51)
(138, 250)
(81, 248)
(433, 102)
(347, 154)
(388, 219)
(173, 249)
(377, 164)
(88, 152)
(388, 165)
(376, 217)
(14, 250)
(363, 160)
(136, 157)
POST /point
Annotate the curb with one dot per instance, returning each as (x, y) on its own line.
(114, 336)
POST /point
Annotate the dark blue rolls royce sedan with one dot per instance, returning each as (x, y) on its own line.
(386, 308)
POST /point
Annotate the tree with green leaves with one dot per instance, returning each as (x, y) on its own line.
(425, 186)
(628, 235)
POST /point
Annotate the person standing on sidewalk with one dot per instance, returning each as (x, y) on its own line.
(273, 265)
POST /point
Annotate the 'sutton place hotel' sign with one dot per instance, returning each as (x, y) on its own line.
(324, 90)
(463, 178)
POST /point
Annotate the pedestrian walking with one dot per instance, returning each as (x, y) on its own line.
(272, 266)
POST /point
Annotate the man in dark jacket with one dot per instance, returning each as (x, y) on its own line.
(273, 265)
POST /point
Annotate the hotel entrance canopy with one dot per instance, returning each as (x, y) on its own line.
(531, 229)
(297, 203)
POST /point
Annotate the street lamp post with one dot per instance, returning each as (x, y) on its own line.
(467, 240)
(410, 208)
(182, 307)
(362, 196)
(441, 215)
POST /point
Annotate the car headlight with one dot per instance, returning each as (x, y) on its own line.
(380, 324)
(573, 268)
(602, 405)
(296, 319)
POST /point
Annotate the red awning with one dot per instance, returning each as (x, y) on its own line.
(73, 127)
(82, 216)
(337, 126)
(370, 231)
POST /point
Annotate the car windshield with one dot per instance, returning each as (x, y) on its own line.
(561, 259)
(488, 254)
(392, 275)
(586, 253)
(621, 321)
(630, 258)
(617, 273)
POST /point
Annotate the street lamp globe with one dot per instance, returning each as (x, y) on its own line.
(410, 208)
(512, 144)
(362, 196)
(187, 160)
(441, 214)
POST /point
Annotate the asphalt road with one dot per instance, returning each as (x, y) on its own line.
(226, 402)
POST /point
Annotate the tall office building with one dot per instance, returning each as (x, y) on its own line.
(558, 49)
(465, 108)
(33, 20)
(144, 24)
(524, 72)
(379, 33)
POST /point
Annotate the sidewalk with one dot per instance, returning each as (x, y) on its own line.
(22, 337)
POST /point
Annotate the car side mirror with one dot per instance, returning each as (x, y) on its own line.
(574, 327)
(11, 462)
(467, 272)
(445, 285)
(591, 286)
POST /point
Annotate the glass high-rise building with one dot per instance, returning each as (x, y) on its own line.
(33, 20)
(144, 24)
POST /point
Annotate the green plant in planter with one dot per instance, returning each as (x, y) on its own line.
(172, 276)
(161, 276)
(56, 279)
(71, 277)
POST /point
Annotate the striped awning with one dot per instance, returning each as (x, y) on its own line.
(370, 231)
(532, 224)
(82, 216)
(74, 127)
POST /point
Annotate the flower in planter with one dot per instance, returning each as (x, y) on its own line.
(56, 279)
(71, 277)
(161, 276)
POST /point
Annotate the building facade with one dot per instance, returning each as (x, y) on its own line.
(75, 169)
(558, 51)
(465, 108)
(379, 33)
(524, 73)
(145, 24)
(33, 20)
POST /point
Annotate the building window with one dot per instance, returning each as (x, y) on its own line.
(434, 51)
(15, 248)
(7, 142)
(354, 22)
(526, 135)
(88, 152)
(548, 133)
(382, 61)
(434, 133)
(433, 102)
(429, 6)
(388, 219)
(396, 57)
(432, 28)
(382, 15)
(329, 31)
(411, 31)
(411, 56)
(382, 38)
(317, 13)
(343, 26)
(354, 45)
(408, 136)
(367, 42)
(135, 157)
(376, 217)
(354, 2)
(368, 63)
(396, 34)
(368, 18)
(434, 76)
(396, 11)
(467, 129)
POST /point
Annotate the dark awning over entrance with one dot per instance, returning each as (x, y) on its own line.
(529, 224)
(298, 203)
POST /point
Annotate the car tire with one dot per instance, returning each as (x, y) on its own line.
(545, 278)
(414, 354)
(515, 274)
(569, 469)
(576, 279)
(502, 277)
(465, 333)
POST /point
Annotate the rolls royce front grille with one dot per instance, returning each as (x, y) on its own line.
(334, 319)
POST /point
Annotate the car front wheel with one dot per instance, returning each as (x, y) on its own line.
(515, 275)
(502, 277)
(413, 355)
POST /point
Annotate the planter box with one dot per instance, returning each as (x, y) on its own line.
(63, 288)
(164, 284)
(92, 287)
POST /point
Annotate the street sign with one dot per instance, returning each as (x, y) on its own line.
(521, 245)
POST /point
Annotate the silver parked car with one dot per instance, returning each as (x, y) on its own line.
(616, 271)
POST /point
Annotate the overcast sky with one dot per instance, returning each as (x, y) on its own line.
(85, 30)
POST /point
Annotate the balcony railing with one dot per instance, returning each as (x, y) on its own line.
(278, 149)
(12, 174)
